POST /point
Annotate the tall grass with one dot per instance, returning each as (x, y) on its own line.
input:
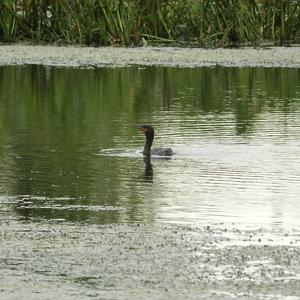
(135, 22)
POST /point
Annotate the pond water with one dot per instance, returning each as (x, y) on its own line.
(70, 149)
(84, 216)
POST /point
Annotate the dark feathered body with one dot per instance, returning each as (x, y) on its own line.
(149, 134)
(162, 151)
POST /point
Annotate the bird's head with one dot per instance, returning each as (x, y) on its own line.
(146, 129)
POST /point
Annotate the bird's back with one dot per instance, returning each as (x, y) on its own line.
(162, 151)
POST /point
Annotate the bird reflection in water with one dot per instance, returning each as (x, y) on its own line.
(148, 168)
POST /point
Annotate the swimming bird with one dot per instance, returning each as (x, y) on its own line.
(149, 133)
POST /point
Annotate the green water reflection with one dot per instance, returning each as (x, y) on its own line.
(55, 121)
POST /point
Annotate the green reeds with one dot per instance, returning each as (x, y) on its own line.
(210, 23)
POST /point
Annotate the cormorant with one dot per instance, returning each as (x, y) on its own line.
(149, 133)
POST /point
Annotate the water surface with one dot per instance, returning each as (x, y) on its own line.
(69, 148)
(83, 216)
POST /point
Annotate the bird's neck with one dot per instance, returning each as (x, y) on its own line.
(149, 140)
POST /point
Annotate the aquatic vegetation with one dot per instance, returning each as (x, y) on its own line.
(135, 22)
